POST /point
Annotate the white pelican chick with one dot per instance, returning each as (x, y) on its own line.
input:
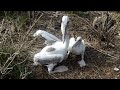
(53, 54)
(77, 47)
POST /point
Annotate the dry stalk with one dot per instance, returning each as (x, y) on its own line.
(30, 30)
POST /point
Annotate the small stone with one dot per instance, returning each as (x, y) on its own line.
(116, 69)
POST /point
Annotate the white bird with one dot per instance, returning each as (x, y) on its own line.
(52, 54)
(55, 53)
(77, 47)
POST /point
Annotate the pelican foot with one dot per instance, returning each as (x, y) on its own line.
(82, 63)
(50, 67)
(60, 69)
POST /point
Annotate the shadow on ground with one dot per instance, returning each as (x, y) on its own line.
(98, 67)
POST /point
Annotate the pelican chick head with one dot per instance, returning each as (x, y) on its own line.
(79, 38)
(65, 19)
(38, 32)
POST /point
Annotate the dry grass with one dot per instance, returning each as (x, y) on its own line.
(17, 46)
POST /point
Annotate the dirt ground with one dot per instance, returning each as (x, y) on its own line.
(100, 63)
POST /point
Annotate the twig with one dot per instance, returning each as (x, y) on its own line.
(3, 69)
(24, 74)
(50, 74)
(2, 25)
(97, 71)
(30, 30)
(30, 42)
(4, 53)
(32, 26)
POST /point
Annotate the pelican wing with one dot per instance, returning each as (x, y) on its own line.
(48, 59)
(51, 49)
(48, 36)
(77, 43)
(48, 42)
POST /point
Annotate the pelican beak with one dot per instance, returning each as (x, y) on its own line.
(64, 26)
(63, 39)
(64, 35)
